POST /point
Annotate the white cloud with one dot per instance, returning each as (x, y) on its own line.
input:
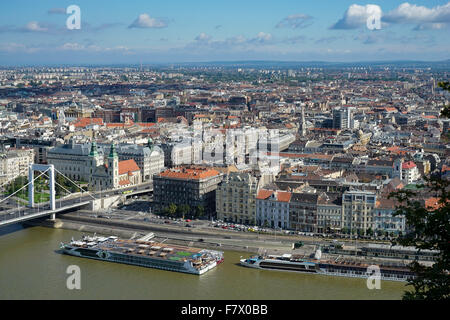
(356, 16)
(431, 26)
(34, 26)
(411, 13)
(426, 18)
(203, 37)
(12, 47)
(206, 40)
(295, 21)
(74, 46)
(145, 21)
(262, 37)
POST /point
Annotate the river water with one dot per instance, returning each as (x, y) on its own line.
(30, 268)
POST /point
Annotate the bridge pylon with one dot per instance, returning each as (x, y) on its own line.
(51, 173)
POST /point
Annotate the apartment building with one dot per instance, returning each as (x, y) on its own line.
(235, 198)
(177, 154)
(384, 218)
(358, 210)
(303, 212)
(329, 213)
(15, 163)
(192, 186)
(272, 208)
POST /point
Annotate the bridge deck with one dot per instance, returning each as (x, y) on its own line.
(7, 219)
(12, 216)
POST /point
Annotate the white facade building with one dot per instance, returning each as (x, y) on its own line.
(15, 163)
(272, 208)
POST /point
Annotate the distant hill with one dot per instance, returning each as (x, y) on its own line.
(313, 64)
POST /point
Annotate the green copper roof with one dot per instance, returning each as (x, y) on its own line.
(94, 151)
(113, 152)
(150, 143)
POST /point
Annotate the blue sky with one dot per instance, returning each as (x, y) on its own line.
(148, 31)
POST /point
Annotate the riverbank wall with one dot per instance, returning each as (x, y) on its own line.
(128, 230)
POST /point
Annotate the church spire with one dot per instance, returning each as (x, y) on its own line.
(113, 152)
(150, 143)
(94, 151)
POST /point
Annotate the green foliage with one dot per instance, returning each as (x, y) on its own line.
(446, 86)
(172, 209)
(62, 184)
(183, 211)
(199, 212)
(16, 184)
(429, 229)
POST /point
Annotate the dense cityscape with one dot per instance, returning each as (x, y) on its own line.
(336, 142)
(207, 163)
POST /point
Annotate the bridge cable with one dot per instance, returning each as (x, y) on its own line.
(24, 186)
(82, 190)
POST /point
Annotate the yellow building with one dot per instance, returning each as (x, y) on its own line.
(236, 196)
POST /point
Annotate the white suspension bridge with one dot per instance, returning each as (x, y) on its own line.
(73, 200)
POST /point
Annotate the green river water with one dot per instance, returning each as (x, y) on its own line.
(30, 268)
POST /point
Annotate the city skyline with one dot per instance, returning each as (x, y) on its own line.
(177, 32)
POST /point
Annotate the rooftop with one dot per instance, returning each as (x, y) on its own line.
(127, 166)
(408, 165)
(189, 173)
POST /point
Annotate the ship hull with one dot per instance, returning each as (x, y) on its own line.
(315, 268)
(147, 262)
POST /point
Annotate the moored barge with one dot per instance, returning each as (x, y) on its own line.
(149, 254)
(339, 267)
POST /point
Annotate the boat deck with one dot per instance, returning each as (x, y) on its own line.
(149, 249)
(359, 264)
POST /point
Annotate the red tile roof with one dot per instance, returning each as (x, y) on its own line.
(84, 122)
(408, 165)
(128, 166)
(189, 173)
(124, 182)
(119, 125)
(397, 150)
(433, 204)
(281, 196)
(264, 194)
(146, 124)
